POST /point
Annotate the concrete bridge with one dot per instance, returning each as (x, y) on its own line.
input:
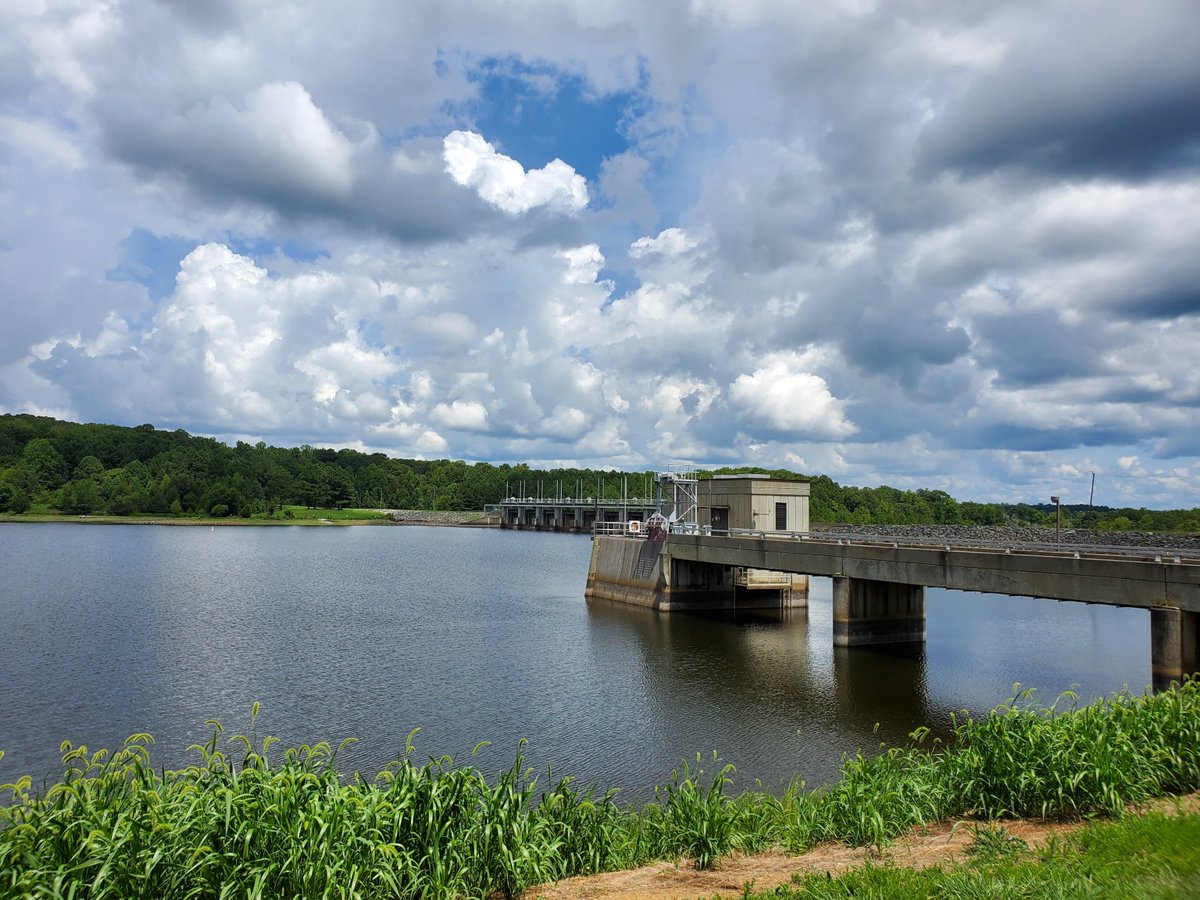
(879, 583)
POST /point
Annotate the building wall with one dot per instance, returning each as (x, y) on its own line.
(751, 502)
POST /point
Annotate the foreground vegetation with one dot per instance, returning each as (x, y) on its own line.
(50, 466)
(1156, 855)
(244, 822)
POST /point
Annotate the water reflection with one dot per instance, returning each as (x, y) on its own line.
(484, 635)
(885, 686)
(772, 685)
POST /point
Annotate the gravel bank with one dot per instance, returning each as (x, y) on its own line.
(442, 517)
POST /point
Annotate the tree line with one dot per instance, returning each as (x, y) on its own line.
(49, 465)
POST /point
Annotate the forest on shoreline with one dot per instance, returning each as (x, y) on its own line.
(48, 465)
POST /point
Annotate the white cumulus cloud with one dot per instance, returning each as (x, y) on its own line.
(503, 182)
(463, 415)
(784, 397)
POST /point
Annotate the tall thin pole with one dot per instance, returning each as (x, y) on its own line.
(1092, 492)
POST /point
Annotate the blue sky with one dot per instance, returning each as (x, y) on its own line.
(926, 245)
(536, 114)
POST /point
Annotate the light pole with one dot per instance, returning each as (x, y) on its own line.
(1057, 520)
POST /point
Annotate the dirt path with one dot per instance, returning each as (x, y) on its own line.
(939, 844)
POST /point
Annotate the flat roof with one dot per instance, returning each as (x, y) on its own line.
(757, 485)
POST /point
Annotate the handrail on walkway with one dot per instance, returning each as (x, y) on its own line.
(619, 528)
(1172, 555)
(1175, 555)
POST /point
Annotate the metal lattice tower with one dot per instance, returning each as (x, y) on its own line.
(678, 495)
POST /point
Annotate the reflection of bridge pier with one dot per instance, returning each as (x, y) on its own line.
(883, 683)
(756, 672)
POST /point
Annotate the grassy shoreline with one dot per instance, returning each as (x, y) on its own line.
(1146, 854)
(300, 516)
(245, 821)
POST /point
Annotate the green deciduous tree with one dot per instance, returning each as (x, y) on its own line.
(12, 498)
(81, 497)
(42, 459)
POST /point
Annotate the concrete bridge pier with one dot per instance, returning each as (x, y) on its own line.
(877, 612)
(697, 585)
(1174, 636)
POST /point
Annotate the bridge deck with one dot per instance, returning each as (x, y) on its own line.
(1118, 576)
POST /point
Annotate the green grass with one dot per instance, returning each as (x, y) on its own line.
(299, 515)
(1137, 857)
(333, 515)
(249, 820)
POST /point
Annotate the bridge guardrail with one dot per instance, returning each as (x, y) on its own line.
(609, 528)
(634, 528)
(761, 578)
(1180, 556)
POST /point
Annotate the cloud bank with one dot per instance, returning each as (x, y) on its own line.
(945, 246)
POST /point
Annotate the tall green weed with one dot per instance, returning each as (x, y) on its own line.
(248, 821)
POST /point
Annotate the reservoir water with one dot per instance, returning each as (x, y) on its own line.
(483, 635)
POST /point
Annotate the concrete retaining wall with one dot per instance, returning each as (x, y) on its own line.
(640, 572)
(627, 570)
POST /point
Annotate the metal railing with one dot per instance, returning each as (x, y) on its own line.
(761, 578)
(578, 501)
(1180, 556)
(619, 528)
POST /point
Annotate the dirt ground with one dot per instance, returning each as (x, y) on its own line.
(938, 844)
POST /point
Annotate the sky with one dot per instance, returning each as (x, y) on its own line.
(949, 245)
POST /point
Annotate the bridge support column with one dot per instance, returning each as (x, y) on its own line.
(1174, 635)
(877, 612)
(698, 586)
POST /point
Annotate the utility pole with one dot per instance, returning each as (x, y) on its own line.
(1057, 520)
(1092, 492)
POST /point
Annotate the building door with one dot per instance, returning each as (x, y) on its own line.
(720, 518)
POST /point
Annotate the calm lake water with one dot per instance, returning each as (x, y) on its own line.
(474, 635)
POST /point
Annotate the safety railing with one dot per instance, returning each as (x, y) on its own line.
(761, 578)
(1179, 556)
(629, 529)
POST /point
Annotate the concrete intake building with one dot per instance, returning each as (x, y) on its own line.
(752, 503)
(632, 564)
